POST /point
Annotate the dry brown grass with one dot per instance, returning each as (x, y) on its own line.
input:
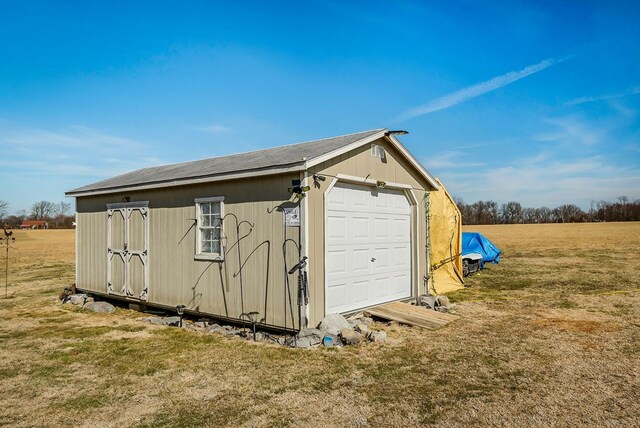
(547, 338)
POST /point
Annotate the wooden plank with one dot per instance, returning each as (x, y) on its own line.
(430, 313)
(405, 313)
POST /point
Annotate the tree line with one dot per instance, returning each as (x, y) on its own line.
(57, 214)
(490, 212)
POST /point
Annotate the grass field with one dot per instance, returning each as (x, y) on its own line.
(550, 337)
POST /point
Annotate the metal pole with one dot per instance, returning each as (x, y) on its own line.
(6, 273)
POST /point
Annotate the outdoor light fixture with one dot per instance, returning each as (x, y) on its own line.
(253, 317)
(126, 199)
(398, 132)
(297, 188)
(381, 184)
(180, 311)
(317, 177)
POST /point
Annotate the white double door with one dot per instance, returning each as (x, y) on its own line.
(368, 242)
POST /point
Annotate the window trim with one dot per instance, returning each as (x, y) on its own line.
(208, 256)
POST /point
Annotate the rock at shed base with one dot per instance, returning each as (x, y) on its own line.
(377, 336)
(213, 328)
(427, 301)
(334, 323)
(313, 334)
(362, 328)
(170, 321)
(77, 299)
(350, 337)
(303, 342)
(102, 307)
(442, 301)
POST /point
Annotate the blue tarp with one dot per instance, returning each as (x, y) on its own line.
(473, 242)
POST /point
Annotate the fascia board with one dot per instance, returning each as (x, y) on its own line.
(174, 183)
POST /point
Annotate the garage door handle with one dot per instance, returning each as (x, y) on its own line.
(373, 259)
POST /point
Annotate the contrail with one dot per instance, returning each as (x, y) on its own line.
(582, 100)
(478, 89)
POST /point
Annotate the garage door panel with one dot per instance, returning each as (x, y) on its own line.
(401, 257)
(337, 261)
(359, 292)
(400, 227)
(368, 253)
(337, 229)
(381, 256)
(360, 228)
(360, 199)
(336, 297)
(360, 260)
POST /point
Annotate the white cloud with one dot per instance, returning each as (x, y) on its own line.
(74, 151)
(450, 159)
(214, 129)
(578, 180)
(478, 89)
(631, 91)
(572, 130)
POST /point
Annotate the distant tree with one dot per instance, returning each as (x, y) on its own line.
(493, 212)
(4, 208)
(61, 210)
(529, 215)
(511, 213)
(43, 210)
(568, 213)
(465, 211)
(544, 215)
(480, 212)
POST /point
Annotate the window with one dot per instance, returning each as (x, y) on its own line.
(209, 213)
(377, 151)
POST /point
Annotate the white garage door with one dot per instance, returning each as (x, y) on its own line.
(368, 247)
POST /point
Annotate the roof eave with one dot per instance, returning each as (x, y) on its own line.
(183, 182)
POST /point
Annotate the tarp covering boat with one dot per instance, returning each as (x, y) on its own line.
(473, 242)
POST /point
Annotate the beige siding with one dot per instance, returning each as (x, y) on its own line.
(360, 163)
(210, 287)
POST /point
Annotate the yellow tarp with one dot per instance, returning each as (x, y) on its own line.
(445, 226)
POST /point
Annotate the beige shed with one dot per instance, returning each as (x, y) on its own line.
(225, 236)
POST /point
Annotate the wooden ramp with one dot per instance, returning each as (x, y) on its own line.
(405, 313)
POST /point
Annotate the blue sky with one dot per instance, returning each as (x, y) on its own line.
(536, 102)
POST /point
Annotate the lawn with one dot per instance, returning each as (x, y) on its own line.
(550, 337)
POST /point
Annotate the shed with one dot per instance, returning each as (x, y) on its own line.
(224, 236)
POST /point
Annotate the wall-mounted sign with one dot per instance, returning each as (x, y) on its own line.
(292, 216)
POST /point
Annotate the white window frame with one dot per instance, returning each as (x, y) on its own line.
(199, 255)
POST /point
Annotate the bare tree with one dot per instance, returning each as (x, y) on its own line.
(4, 208)
(62, 208)
(529, 215)
(43, 210)
(544, 215)
(568, 213)
(512, 212)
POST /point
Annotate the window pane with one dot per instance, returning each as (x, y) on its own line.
(205, 247)
(206, 220)
(205, 207)
(206, 234)
(215, 246)
(215, 207)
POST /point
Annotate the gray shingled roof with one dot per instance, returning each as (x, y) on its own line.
(277, 157)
